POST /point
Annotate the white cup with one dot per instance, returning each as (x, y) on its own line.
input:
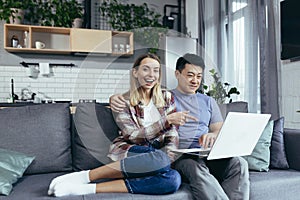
(39, 45)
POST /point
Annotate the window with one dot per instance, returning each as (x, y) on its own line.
(241, 47)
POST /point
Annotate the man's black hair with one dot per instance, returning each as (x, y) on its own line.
(190, 59)
(194, 60)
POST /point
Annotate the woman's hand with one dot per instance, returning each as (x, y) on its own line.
(180, 118)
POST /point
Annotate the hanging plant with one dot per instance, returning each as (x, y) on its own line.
(139, 19)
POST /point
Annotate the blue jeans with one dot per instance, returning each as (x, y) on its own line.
(147, 171)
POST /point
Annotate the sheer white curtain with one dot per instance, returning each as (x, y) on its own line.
(231, 41)
(242, 70)
(242, 41)
(212, 30)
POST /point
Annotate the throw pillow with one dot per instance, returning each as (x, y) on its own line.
(12, 166)
(94, 130)
(278, 155)
(259, 160)
(41, 130)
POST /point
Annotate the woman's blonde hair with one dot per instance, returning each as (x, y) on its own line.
(136, 92)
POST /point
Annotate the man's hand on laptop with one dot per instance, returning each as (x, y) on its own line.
(117, 102)
(207, 140)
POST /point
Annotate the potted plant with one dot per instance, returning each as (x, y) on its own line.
(65, 12)
(220, 91)
(139, 19)
(39, 12)
(12, 11)
(59, 13)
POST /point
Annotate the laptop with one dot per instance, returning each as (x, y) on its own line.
(238, 136)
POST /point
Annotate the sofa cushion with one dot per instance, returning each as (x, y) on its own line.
(237, 106)
(277, 149)
(42, 131)
(275, 184)
(94, 131)
(292, 143)
(35, 187)
(259, 160)
(12, 166)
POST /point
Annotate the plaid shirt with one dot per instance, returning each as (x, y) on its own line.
(160, 135)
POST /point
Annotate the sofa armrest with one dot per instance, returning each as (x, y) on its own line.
(292, 143)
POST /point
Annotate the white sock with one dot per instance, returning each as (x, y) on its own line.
(81, 177)
(67, 188)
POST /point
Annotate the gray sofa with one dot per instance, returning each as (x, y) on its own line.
(63, 142)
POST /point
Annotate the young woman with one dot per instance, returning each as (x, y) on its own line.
(142, 153)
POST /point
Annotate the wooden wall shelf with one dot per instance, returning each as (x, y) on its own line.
(59, 40)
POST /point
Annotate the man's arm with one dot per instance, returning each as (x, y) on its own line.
(207, 140)
(117, 103)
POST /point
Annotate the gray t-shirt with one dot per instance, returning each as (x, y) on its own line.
(204, 108)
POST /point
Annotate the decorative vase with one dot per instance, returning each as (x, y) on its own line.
(77, 23)
(17, 16)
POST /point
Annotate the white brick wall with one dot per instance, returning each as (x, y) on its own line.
(67, 83)
(83, 83)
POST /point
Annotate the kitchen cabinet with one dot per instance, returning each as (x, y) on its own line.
(122, 38)
(58, 40)
(88, 40)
